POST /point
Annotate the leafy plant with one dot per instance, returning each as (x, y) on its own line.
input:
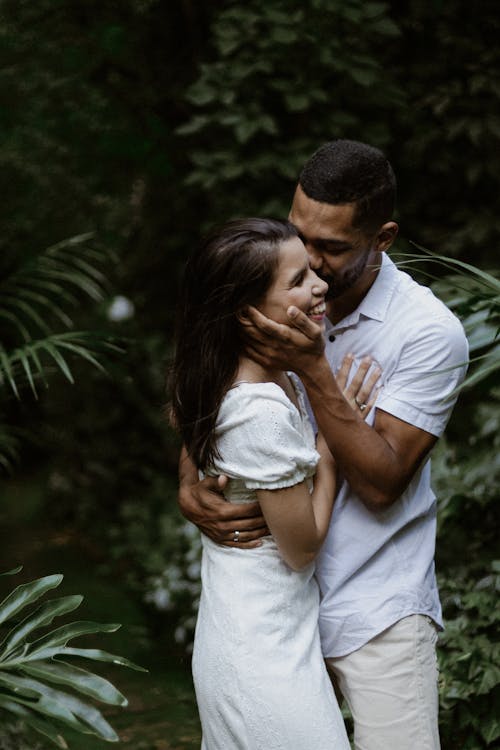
(315, 73)
(470, 660)
(466, 472)
(34, 300)
(37, 686)
(474, 295)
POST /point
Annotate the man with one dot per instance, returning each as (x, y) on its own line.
(380, 607)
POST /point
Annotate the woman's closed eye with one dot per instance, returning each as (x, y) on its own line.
(299, 277)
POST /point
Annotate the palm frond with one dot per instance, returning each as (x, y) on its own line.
(44, 691)
(58, 274)
(474, 295)
(9, 448)
(24, 364)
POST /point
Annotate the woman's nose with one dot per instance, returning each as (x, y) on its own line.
(320, 287)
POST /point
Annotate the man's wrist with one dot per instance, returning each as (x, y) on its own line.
(315, 370)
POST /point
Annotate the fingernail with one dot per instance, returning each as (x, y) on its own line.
(292, 312)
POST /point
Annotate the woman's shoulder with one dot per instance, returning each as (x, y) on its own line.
(258, 401)
(244, 389)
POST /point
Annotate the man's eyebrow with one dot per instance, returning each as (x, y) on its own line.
(337, 245)
(332, 241)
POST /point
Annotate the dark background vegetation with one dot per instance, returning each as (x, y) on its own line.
(145, 122)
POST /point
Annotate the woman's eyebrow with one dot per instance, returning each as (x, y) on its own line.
(299, 274)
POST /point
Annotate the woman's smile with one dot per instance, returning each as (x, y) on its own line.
(317, 313)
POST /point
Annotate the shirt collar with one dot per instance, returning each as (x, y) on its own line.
(376, 302)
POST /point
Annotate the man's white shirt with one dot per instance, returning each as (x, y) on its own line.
(378, 567)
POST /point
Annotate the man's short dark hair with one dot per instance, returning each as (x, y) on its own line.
(343, 171)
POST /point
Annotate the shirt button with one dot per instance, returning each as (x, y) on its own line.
(331, 337)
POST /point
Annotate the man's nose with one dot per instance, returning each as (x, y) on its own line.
(315, 259)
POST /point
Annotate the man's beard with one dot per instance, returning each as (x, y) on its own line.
(337, 287)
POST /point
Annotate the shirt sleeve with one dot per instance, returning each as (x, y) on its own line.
(262, 441)
(432, 365)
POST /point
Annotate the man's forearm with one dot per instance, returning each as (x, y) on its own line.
(188, 473)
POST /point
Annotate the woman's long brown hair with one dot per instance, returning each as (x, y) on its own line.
(233, 268)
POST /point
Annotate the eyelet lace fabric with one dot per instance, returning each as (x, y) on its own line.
(259, 675)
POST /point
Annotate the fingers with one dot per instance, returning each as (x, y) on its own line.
(222, 481)
(214, 484)
(361, 393)
(305, 325)
(247, 515)
(300, 326)
(371, 401)
(237, 526)
(245, 539)
(362, 385)
(342, 375)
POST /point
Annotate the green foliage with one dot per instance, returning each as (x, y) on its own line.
(13, 737)
(34, 297)
(470, 660)
(34, 680)
(474, 295)
(466, 475)
(282, 78)
(448, 161)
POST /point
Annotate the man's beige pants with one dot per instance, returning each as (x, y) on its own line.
(390, 685)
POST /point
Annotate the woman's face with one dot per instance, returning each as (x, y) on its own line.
(295, 283)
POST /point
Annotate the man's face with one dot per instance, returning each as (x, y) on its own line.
(341, 254)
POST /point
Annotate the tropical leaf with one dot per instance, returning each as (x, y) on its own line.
(34, 298)
(9, 448)
(30, 719)
(66, 674)
(36, 288)
(65, 633)
(25, 363)
(44, 615)
(12, 572)
(98, 655)
(26, 594)
(474, 294)
(46, 693)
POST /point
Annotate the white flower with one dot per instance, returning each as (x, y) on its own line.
(120, 309)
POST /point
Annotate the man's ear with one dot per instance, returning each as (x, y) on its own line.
(386, 235)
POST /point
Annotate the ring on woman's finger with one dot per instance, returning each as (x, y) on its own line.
(236, 536)
(360, 406)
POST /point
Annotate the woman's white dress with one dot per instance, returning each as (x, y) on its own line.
(259, 675)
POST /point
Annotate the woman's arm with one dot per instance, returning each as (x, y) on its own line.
(297, 519)
(203, 503)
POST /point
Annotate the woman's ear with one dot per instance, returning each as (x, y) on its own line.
(242, 316)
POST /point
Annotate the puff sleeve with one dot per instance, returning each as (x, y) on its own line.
(262, 439)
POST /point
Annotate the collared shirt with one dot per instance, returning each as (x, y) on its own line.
(377, 567)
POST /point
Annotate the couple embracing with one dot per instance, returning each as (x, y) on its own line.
(312, 379)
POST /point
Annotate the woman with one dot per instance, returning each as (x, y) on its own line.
(259, 675)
